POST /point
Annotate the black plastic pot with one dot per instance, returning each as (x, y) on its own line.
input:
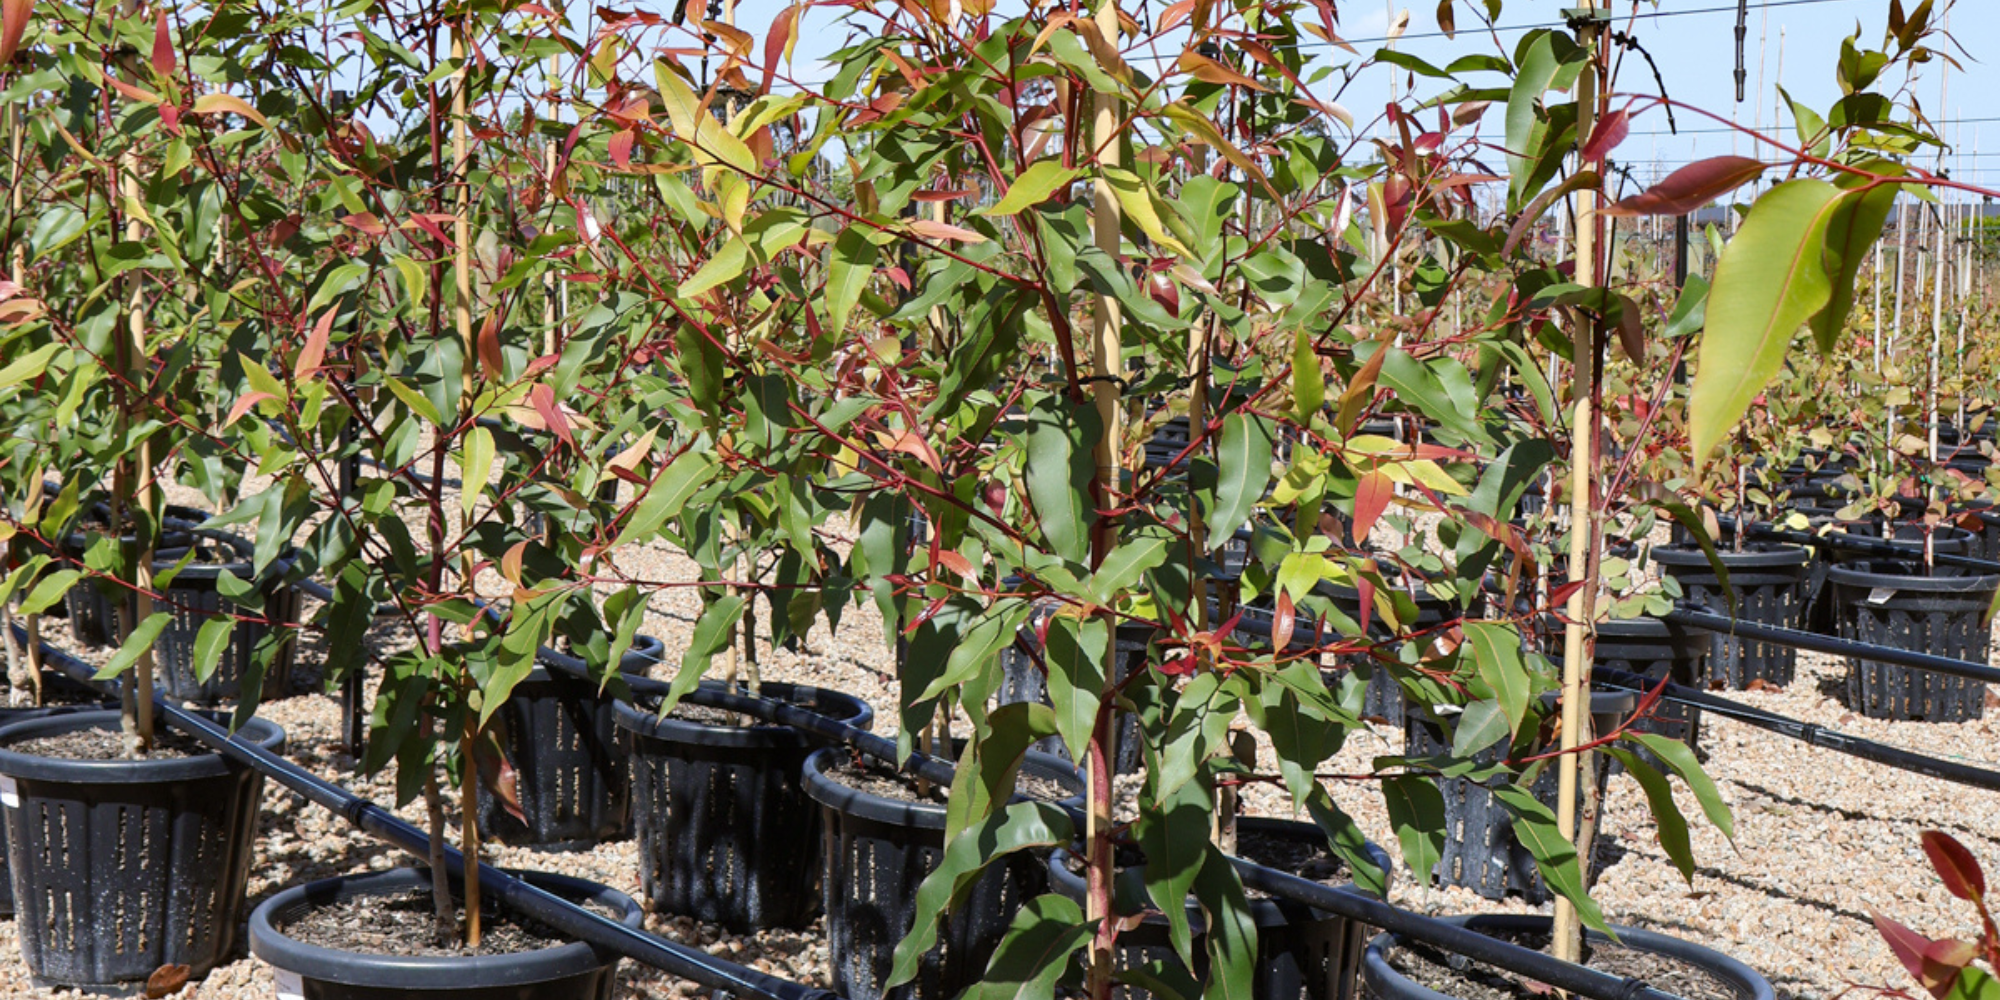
(1655, 649)
(1823, 609)
(1767, 581)
(120, 867)
(193, 597)
(878, 851)
(1381, 981)
(1024, 678)
(1480, 851)
(1385, 696)
(9, 716)
(573, 971)
(572, 771)
(726, 833)
(1896, 604)
(1302, 953)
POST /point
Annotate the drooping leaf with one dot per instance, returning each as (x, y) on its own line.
(1690, 187)
(1555, 857)
(1244, 461)
(1680, 758)
(1019, 827)
(1668, 822)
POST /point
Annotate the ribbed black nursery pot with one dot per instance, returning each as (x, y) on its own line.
(1768, 583)
(1381, 980)
(576, 970)
(572, 769)
(1655, 649)
(1823, 609)
(1480, 850)
(727, 834)
(92, 608)
(9, 716)
(1898, 604)
(878, 851)
(1302, 953)
(122, 866)
(194, 596)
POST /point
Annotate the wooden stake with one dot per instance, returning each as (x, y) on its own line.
(1576, 684)
(138, 473)
(1107, 222)
(461, 226)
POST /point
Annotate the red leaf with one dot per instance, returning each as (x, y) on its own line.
(1283, 622)
(1366, 588)
(621, 148)
(1610, 131)
(488, 345)
(365, 222)
(140, 94)
(1955, 865)
(543, 399)
(166, 980)
(1371, 497)
(163, 46)
(1691, 187)
(1907, 944)
(314, 352)
(433, 223)
(1560, 595)
(775, 42)
(933, 195)
(14, 15)
(243, 405)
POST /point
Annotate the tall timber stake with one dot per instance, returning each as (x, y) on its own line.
(1107, 223)
(461, 228)
(137, 472)
(1582, 533)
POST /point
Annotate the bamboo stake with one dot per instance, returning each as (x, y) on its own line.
(17, 270)
(137, 476)
(1576, 685)
(1107, 221)
(468, 836)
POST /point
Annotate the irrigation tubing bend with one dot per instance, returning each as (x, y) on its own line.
(1809, 733)
(535, 903)
(1349, 903)
(1701, 617)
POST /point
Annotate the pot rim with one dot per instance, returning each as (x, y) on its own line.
(921, 815)
(32, 767)
(838, 705)
(1376, 970)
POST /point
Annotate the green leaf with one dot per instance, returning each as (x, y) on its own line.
(1036, 951)
(1123, 567)
(1772, 277)
(1544, 63)
(711, 636)
(1344, 835)
(1076, 654)
(849, 267)
(984, 777)
(1853, 228)
(1042, 179)
(1232, 934)
(1019, 827)
(1676, 755)
(416, 280)
(1174, 836)
(1416, 813)
(701, 365)
(1244, 462)
(1496, 658)
(1482, 724)
(1308, 380)
(476, 466)
(680, 480)
(1671, 825)
(29, 364)
(1060, 469)
(1141, 207)
(50, 590)
(1555, 857)
(139, 642)
(209, 644)
(1690, 310)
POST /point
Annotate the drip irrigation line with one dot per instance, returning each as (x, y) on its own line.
(1701, 617)
(528, 900)
(1809, 733)
(1873, 546)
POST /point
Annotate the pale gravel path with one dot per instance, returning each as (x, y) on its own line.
(1821, 839)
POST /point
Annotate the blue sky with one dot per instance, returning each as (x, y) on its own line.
(1694, 45)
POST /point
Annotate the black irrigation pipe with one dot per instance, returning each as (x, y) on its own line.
(528, 900)
(1809, 733)
(1700, 617)
(1873, 546)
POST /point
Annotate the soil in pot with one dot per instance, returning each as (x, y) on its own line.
(726, 832)
(374, 937)
(121, 866)
(878, 851)
(1302, 953)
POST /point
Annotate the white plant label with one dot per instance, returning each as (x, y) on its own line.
(10, 793)
(1881, 595)
(290, 986)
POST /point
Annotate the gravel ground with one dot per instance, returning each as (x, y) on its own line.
(1821, 840)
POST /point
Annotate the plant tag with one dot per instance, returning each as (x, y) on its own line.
(290, 986)
(1881, 595)
(10, 793)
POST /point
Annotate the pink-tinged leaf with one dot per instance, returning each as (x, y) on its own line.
(1691, 187)
(313, 354)
(933, 230)
(243, 405)
(543, 399)
(14, 15)
(1908, 945)
(1371, 497)
(140, 94)
(365, 222)
(433, 223)
(1166, 293)
(777, 42)
(163, 46)
(487, 343)
(956, 562)
(170, 116)
(1283, 622)
(1955, 865)
(1610, 131)
(621, 148)
(1366, 589)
